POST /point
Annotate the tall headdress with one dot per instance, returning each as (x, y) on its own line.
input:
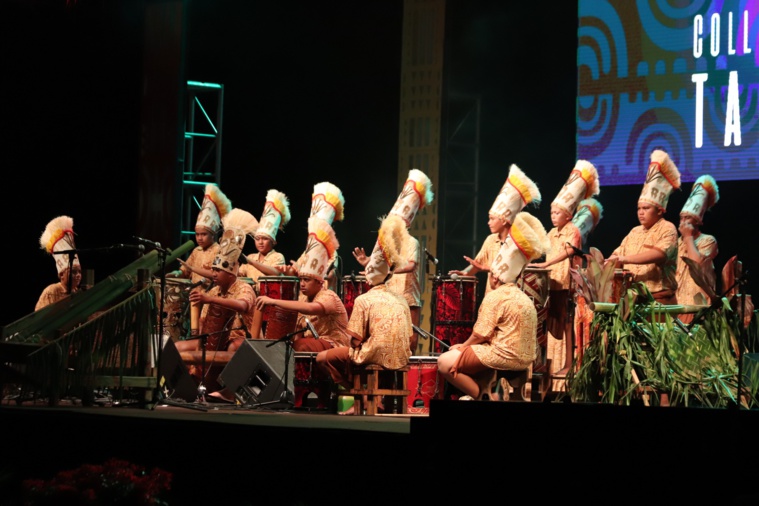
(215, 206)
(662, 178)
(386, 255)
(327, 202)
(416, 193)
(582, 184)
(516, 193)
(276, 214)
(587, 216)
(703, 196)
(527, 241)
(237, 224)
(321, 249)
(59, 236)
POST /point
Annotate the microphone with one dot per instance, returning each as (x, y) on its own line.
(430, 257)
(138, 247)
(311, 328)
(202, 281)
(147, 242)
(577, 251)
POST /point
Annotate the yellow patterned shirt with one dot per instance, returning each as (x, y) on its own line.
(50, 295)
(559, 274)
(508, 319)
(489, 250)
(199, 258)
(686, 287)
(383, 319)
(407, 283)
(273, 258)
(333, 326)
(214, 318)
(662, 236)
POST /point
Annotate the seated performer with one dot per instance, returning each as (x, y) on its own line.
(380, 325)
(415, 195)
(517, 192)
(565, 239)
(59, 236)
(274, 218)
(504, 336)
(649, 250)
(320, 305)
(693, 244)
(227, 308)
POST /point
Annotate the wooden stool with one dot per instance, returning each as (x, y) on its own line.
(517, 380)
(370, 380)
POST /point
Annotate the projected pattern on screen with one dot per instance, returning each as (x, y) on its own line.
(682, 78)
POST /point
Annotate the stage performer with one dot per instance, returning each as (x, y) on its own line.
(693, 244)
(649, 251)
(504, 336)
(227, 308)
(197, 267)
(380, 325)
(274, 218)
(517, 192)
(565, 240)
(415, 195)
(318, 304)
(59, 236)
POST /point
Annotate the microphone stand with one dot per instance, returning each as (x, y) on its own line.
(427, 335)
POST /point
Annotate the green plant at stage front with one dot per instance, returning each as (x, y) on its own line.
(639, 351)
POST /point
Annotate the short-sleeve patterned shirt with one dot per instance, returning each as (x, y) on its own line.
(489, 250)
(508, 319)
(662, 236)
(272, 258)
(332, 326)
(199, 258)
(686, 287)
(407, 283)
(50, 295)
(214, 318)
(559, 274)
(383, 319)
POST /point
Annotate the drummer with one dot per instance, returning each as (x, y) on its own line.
(649, 251)
(266, 259)
(516, 193)
(197, 267)
(565, 239)
(415, 195)
(317, 304)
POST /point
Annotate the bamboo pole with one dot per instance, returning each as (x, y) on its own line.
(609, 307)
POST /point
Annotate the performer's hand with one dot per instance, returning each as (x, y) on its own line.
(198, 297)
(262, 301)
(458, 273)
(686, 229)
(539, 265)
(477, 265)
(360, 255)
(617, 260)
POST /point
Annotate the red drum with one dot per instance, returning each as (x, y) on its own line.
(424, 382)
(455, 300)
(353, 286)
(312, 385)
(276, 322)
(451, 333)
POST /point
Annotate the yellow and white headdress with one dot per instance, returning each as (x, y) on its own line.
(589, 213)
(516, 193)
(527, 241)
(59, 236)
(582, 184)
(327, 202)
(416, 193)
(662, 178)
(215, 206)
(321, 249)
(275, 216)
(237, 224)
(386, 256)
(703, 196)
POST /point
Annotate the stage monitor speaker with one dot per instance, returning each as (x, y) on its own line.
(256, 372)
(173, 376)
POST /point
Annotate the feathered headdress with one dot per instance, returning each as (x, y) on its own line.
(415, 195)
(321, 249)
(589, 213)
(215, 206)
(59, 236)
(662, 178)
(527, 240)
(237, 224)
(582, 184)
(275, 216)
(327, 202)
(386, 255)
(517, 192)
(703, 196)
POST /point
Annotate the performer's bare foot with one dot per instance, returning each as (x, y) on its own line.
(348, 411)
(223, 394)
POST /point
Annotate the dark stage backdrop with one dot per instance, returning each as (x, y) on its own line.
(311, 95)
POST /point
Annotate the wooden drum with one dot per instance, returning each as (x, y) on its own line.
(622, 281)
(455, 309)
(274, 322)
(352, 287)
